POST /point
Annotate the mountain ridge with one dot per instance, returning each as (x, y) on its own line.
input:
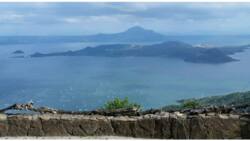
(171, 49)
(133, 34)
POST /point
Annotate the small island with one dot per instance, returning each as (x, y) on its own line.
(18, 52)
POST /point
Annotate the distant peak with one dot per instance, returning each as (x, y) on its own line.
(137, 29)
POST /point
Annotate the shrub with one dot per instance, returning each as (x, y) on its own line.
(120, 104)
(191, 104)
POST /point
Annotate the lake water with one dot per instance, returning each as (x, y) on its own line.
(85, 83)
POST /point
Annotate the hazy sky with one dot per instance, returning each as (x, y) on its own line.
(90, 18)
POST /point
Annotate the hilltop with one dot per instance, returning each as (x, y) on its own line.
(171, 49)
(237, 99)
(133, 34)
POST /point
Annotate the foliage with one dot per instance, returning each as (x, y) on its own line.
(120, 104)
(191, 104)
(237, 98)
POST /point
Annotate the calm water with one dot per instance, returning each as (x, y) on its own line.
(80, 83)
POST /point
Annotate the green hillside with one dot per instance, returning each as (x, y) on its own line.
(237, 98)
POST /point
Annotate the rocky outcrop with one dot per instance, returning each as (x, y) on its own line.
(162, 126)
(245, 126)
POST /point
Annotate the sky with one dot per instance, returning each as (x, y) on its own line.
(91, 18)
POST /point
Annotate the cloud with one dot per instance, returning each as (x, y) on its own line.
(90, 18)
(8, 17)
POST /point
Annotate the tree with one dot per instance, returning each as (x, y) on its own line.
(120, 104)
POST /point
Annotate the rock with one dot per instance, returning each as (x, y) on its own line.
(214, 128)
(123, 127)
(53, 126)
(18, 125)
(179, 127)
(162, 126)
(36, 127)
(145, 127)
(245, 126)
(3, 125)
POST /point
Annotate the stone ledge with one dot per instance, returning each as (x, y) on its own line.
(163, 126)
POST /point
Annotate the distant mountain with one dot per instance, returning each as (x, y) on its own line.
(171, 49)
(133, 34)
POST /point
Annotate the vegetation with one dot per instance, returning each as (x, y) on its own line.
(192, 104)
(120, 104)
(189, 104)
(238, 98)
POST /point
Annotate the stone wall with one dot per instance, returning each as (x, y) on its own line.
(245, 126)
(162, 126)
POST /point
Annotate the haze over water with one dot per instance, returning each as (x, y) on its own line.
(84, 83)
